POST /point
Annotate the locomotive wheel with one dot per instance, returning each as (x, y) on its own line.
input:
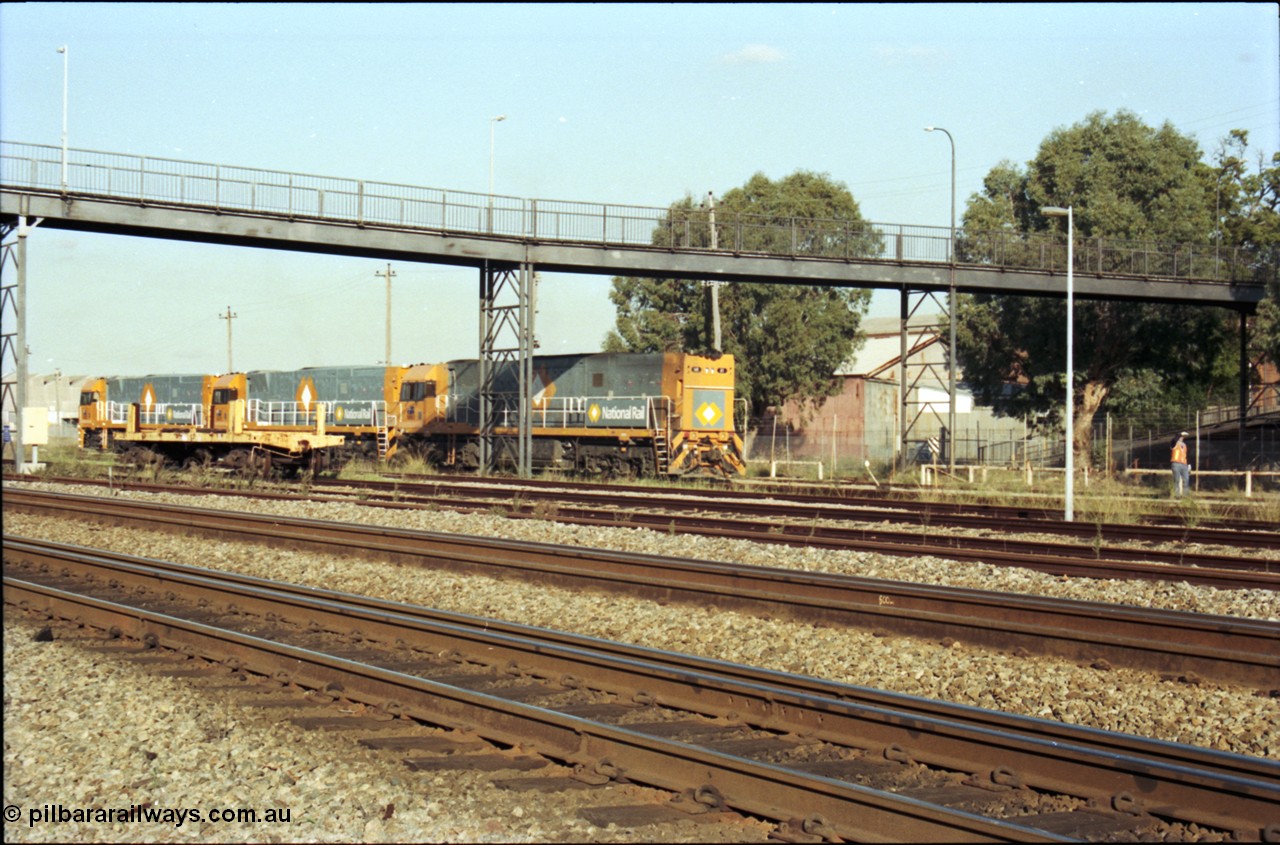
(141, 456)
(199, 460)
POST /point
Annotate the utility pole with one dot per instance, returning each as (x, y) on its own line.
(389, 274)
(228, 317)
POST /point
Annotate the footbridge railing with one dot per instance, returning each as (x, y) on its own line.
(149, 179)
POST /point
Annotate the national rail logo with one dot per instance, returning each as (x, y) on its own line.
(709, 414)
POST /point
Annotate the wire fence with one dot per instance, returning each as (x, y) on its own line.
(852, 447)
(150, 179)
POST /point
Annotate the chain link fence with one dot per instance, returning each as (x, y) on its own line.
(829, 447)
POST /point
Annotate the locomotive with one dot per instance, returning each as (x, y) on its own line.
(628, 414)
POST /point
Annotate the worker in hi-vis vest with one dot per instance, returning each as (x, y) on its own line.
(1181, 469)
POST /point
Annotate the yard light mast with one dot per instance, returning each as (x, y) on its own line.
(66, 55)
(493, 121)
(1058, 211)
(951, 306)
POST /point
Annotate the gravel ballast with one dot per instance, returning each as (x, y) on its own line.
(48, 755)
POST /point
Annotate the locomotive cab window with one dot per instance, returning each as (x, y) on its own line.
(88, 397)
(223, 395)
(597, 379)
(416, 391)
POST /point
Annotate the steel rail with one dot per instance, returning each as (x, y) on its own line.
(766, 790)
(1213, 570)
(1223, 571)
(1225, 649)
(907, 509)
(45, 554)
(1204, 795)
(792, 507)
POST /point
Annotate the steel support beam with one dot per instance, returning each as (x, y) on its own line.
(506, 366)
(13, 344)
(913, 368)
(405, 243)
(10, 315)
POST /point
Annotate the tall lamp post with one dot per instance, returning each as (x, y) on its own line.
(951, 306)
(1059, 211)
(65, 57)
(492, 122)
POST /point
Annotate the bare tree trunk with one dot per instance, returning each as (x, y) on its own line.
(1091, 398)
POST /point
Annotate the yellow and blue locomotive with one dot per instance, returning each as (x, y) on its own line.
(662, 414)
(608, 413)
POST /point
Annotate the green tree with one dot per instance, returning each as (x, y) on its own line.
(1247, 208)
(1124, 180)
(787, 340)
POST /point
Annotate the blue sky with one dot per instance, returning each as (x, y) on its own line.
(636, 104)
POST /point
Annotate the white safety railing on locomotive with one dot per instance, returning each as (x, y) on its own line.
(117, 413)
(569, 411)
(171, 414)
(262, 412)
(659, 411)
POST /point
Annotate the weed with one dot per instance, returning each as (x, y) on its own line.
(545, 509)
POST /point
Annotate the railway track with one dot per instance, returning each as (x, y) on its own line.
(1222, 570)
(741, 508)
(822, 760)
(902, 508)
(1230, 650)
(811, 509)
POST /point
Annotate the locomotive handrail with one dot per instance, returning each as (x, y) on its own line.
(263, 412)
(273, 413)
(145, 179)
(571, 410)
(660, 417)
(117, 412)
(183, 413)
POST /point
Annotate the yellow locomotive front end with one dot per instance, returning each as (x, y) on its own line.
(702, 432)
(94, 423)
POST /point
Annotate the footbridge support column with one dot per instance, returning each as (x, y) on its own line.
(13, 343)
(919, 370)
(507, 295)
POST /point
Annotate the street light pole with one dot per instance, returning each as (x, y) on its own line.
(951, 306)
(1058, 211)
(66, 54)
(492, 122)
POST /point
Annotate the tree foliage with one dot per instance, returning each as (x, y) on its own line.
(1247, 208)
(787, 340)
(1123, 180)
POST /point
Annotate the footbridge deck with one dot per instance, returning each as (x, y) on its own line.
(166, 198)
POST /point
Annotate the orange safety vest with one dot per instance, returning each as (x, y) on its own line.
(1179, 453)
